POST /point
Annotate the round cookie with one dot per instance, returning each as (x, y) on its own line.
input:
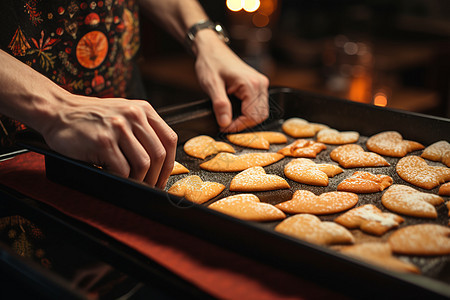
(369, 219)
(444, 190)
(194, 189)
(311, 229)
(306, 171)
(334, 137)
(422, 239)
(247, 207)
(415, 170)
(408, 201)
(354, 156)
(391, 143)
(327, 203)
(255, 179)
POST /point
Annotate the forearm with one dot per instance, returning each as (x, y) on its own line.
(26, 95)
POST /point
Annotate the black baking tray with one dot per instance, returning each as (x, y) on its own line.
(325, 266)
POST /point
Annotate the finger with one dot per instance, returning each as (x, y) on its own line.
(239, 124)
(221, 104)
(112, 160)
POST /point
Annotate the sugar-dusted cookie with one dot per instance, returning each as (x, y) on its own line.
(311, 229)
(421, 239)
(179, 169)
(334, 137)
(300, 128)
(327, 203)
(227, 162)
(444, 190)
(379, 254)
(408, 201)
(306, 171)
(303, 148)
(255, 179)
(439, 151)
(247, 207)
(194, 189)
(365, 182)
(391, 143)
(202, 146)
(415, 170)
(369, 219)
(257, 139)
(354, 156)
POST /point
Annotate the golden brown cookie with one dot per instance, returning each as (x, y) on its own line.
(255, 179)
(365, 182)
(247, 207)
(311, 229)
(369, 219)
(354, 156)
(202, 146)
(444, 190)
(300, 128)
(334, 137)
(408, 201)
(391, 143)
(327, 203)
(415, 170)
(179, 169)
(303, 148)
(439, 151)
(257, 140)
(227, 162)
(306, 171)
(194, 189)
(379, 254)
(422, 239)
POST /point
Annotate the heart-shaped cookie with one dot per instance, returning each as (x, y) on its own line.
(179, 169)
(327, 203)
(311, 229)
(306, 171)
(391, 143)
(421, 239)
(444, 190)
(203, 146)
(334, 137)
(408, 201)
(255, 179)
(369, 219)
(379, 254)
(257, 139)
(439, 151)
(365, 182)
(354, 156)
(194, 189)
(227, 162)
(303, 148)
(415, 170)
(300, 128)
(247, 207)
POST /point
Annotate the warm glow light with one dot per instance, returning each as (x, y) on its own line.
(251, 5)
(235, 5)
(260, 20)
(380, 99)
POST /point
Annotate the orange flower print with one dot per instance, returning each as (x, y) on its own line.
(92, 49)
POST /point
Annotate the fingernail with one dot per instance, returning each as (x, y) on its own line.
(224, 120)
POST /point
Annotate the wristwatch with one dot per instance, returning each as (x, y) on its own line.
(208, 24)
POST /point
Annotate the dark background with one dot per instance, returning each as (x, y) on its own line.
(406, 57)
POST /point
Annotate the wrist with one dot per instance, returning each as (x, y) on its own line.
(203, 33)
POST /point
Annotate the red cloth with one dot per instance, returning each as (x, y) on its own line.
(219, 272)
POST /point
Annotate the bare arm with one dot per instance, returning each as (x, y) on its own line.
(127, 137)
(219, 70)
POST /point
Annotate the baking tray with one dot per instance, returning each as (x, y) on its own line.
(258, 240)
